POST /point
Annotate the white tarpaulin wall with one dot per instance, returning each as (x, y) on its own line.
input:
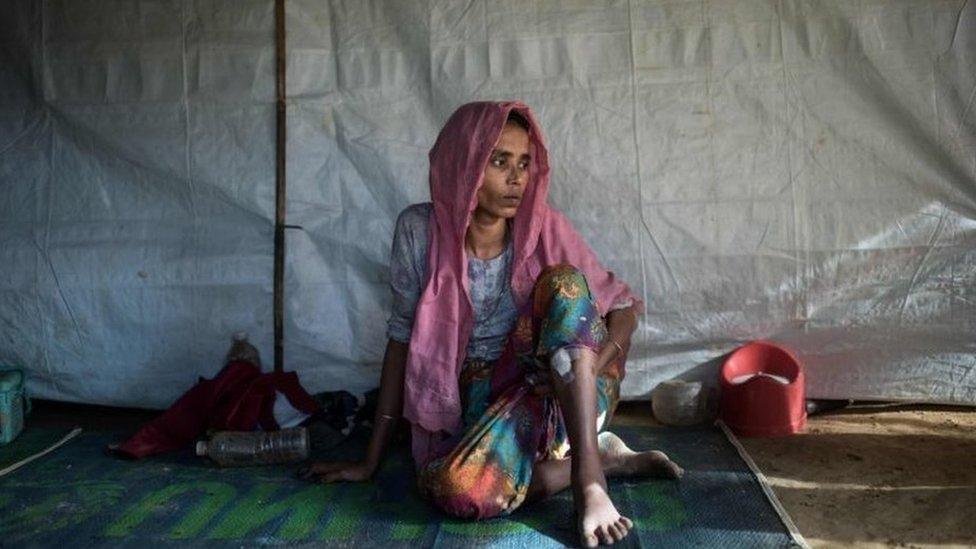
(794, 170)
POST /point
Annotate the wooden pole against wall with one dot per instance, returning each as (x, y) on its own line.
(279, 237)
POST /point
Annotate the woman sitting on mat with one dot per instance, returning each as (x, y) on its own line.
(507, 340)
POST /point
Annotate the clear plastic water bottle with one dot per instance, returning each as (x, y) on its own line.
(242, 448)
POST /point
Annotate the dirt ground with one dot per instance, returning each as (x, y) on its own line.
(873, 476)
(867, 476)
(864, 476)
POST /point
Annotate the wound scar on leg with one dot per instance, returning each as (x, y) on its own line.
(562, 363)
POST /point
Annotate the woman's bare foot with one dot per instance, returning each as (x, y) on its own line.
(599, 521)
(619, 460)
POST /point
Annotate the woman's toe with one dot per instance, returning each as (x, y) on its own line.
(616, 531)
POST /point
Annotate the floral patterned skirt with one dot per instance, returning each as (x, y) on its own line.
(507, 426)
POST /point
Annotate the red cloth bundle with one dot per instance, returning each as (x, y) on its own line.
(240, 398)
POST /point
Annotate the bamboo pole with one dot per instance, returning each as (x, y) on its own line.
(279, 237)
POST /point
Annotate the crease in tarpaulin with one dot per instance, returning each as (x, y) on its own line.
(430, 62)
(105, 148)
(187, 157)
(800, 293)
(43, 255)
(936, 233)
(37, 120)
(639, 176)
(53, 379)
(965, 113)
(888, 108)
(469, 4)
(639, 171)
(57, 283)
(762, 237)
(952, 43)
(351, 146)
(334, 45)
(877, 242)
(955, 30)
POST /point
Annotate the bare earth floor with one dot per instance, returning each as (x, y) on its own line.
(866, 476)
(872, 476)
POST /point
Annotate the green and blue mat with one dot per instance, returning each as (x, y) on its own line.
(78, 496)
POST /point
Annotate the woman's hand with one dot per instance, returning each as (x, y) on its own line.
(338, 471)
(384, 424)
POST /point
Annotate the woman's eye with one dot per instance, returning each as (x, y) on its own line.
(498, 162)
(523, 165)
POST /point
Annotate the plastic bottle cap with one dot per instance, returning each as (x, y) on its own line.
(202, 448)
(240, 336)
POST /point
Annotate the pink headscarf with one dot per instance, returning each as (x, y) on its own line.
(541, 237)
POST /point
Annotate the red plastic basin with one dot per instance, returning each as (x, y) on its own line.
(762, 391)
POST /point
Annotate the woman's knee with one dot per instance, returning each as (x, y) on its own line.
(459, 493)
(568, 312)
(562, 281)
(464, 506)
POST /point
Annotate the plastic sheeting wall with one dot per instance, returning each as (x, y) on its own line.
(796, 170)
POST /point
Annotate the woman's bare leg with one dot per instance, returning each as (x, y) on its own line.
(617, 460)
(548, 477)
(599, 521)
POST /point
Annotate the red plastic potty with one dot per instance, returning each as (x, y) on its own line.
(763, 391)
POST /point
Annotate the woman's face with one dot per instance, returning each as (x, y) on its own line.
(506, 174)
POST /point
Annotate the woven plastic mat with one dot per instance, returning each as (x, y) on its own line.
(79, 496)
